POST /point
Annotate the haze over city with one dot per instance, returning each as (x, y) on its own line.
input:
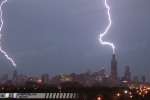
(62, 36)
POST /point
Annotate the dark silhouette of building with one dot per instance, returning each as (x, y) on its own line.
(127, 74)
(114, 74)
(15, 74)
(45, 78)
(143, 79)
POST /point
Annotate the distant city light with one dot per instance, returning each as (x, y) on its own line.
(145, 92)
(118, 94)
(99, 98)
(125, 91)
(125, 81)
(39, 81)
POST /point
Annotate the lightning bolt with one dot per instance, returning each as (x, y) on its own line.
(1, 19)
(107, 28)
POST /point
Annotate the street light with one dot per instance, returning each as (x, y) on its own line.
(99, 98)
(130, 96)
(118, 94)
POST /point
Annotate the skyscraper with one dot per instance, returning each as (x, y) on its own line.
(45, 78)
(15, 74)
(143, 79)
(127, 74)
(114, 74)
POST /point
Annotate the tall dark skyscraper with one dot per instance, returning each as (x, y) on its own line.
(114, 72)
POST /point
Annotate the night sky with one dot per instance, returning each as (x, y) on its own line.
(62, 36)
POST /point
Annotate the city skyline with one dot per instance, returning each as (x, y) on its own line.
(62, 36)
(100, 76)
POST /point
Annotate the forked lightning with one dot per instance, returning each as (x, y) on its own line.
(107, 28)
(1, 26)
